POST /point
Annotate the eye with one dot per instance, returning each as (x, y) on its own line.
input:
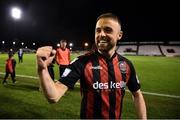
(98, 30)
(108, 29)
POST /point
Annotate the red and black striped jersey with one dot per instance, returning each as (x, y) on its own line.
(10, 65)
(102, 83)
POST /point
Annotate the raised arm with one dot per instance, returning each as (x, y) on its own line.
(140, 104)
(52, 91)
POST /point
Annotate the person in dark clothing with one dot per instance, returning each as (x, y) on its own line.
(51, 69)
(11, 52)
(20, 55)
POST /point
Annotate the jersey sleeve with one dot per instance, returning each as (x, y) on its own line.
(133, 82)
(72, 74)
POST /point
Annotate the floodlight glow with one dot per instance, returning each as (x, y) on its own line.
(22, 43)
(34, 43)
(58, 45)
(70, 44)
(14, 43)
(86, 44)
(16, 13)
(3, 42)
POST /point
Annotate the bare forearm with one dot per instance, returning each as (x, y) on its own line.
(52, 91)
(140, 106)
(48, 86)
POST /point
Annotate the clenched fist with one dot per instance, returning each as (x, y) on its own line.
(45, 56)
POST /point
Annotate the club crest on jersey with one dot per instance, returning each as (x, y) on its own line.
(122, 66)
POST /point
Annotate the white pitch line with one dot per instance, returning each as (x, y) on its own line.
(25, 76)
(146, 93)
(163, 95)
(159, 94)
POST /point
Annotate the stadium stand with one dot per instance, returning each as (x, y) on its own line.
(127, 49)
(151, 50)
(170, 50)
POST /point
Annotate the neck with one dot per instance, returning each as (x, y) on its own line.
(63, 48)
(108, 54)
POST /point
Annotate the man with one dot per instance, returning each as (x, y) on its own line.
(103, 75)
(62, 56)
(20, 55)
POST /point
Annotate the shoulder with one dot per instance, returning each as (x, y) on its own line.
(120, 57)
(13, 60)
(87, 55)
(83, 59)
(58, 49)
(68, 49)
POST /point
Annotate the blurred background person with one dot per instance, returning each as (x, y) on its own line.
(11, 52)
(10, 69)
(20, 55)
(62, 56)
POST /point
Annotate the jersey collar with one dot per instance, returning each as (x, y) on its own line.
(104, 57)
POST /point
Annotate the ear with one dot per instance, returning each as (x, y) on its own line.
(120, 35)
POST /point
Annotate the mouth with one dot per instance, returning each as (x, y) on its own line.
(102, 41)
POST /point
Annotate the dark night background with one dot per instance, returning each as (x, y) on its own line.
(46, 22)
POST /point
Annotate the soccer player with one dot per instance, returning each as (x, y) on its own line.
(10, 68)
(103, 75)
(62, 56)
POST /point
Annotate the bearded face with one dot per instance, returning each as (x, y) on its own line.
(107, 33)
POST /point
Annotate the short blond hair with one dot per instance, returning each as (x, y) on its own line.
(109, 15)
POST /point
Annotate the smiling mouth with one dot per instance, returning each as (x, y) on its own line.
(102, 41)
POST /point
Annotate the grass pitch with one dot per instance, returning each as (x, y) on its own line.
(24, 100)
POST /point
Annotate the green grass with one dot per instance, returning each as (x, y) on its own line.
(156, 74)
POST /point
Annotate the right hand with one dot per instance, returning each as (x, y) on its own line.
(44, 55)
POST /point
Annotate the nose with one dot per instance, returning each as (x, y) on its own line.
(102, 33)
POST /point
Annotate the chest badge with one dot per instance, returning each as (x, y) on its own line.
(122, 66)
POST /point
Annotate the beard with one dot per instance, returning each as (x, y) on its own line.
(105, 46)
